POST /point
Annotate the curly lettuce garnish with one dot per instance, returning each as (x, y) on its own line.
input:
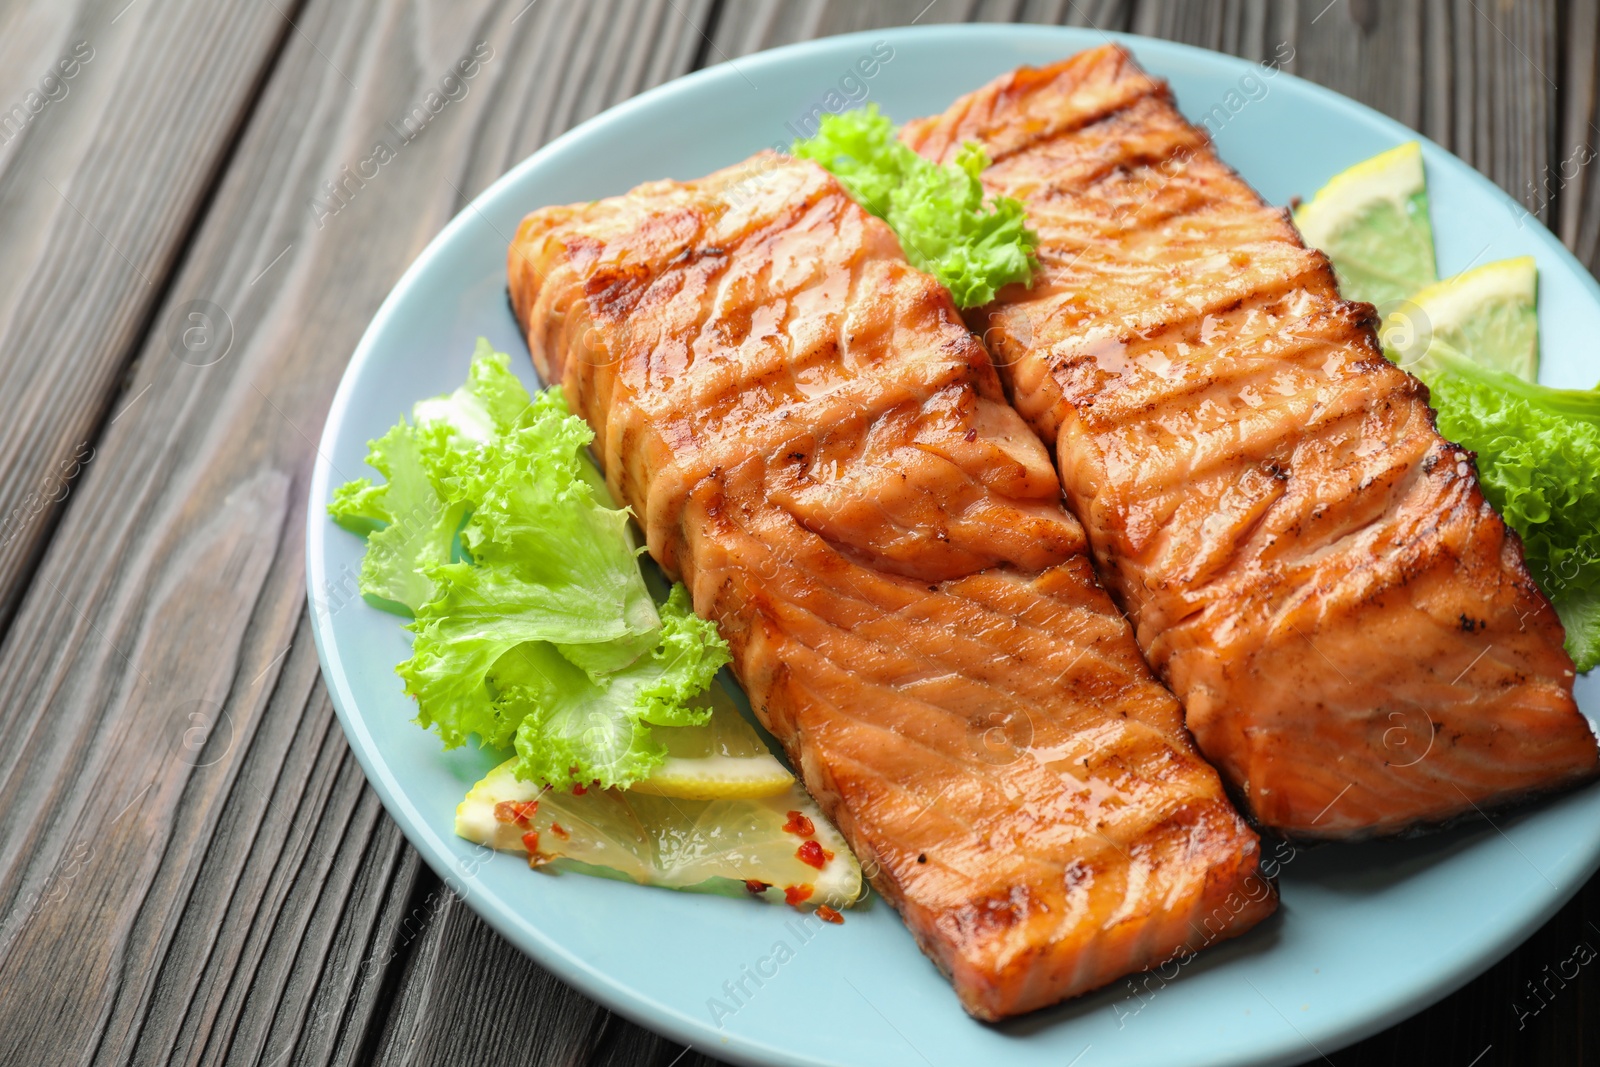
(938, 211)
(1538, 450)
(533, 626)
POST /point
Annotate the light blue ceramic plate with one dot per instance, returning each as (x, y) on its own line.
(1367, 935)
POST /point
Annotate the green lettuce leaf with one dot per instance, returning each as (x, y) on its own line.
(409, 526)
(1538, 450)
(492, 400)
(1580, 614)
(533, 625)
(581, 732)
(938, 211)
(412, 519)
(540, 541)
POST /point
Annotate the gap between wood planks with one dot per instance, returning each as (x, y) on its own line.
(111, 404)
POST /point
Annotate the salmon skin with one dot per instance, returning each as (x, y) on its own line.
(1310, 567)
(813, 440)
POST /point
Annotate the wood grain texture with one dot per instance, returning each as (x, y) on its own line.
(1571, 182)
(179, 814)
(155, 90)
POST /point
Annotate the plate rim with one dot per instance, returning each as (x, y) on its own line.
(595, 982)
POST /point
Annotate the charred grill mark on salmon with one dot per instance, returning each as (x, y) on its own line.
(814, 441)
(1263, 492)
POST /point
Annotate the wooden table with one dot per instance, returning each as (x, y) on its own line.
(192, 866)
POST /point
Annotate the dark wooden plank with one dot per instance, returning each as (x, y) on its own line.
(758, 24)
(464, 973)
(179, 816)
(1475, 75)
(1505, 61)
(1253, 29)
(115, 119)
(1570, 179)
(281, 938)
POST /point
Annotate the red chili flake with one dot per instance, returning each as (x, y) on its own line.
(795, 894)
(530, 841)
(578, 790)
(828, 915)
(517, 811)
(799, 824)
(971, 435)
(560, 831)
(755, 886)
(813, 854)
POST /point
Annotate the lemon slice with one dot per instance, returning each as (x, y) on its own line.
(1490, 315)
(778, 848)
(1372, 221)
(722, 760)
(718, 778)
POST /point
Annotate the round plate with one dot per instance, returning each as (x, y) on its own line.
(1367, 934)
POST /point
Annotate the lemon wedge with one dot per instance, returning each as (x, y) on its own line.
(722, 760)
(1489, 314)
(1372, 221)
(717, 778)
(778, 848)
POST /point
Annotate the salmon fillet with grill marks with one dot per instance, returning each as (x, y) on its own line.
(816, 444)
(1312, 569)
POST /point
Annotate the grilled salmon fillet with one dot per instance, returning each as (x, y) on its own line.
(813, 440)
(1314, 571)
